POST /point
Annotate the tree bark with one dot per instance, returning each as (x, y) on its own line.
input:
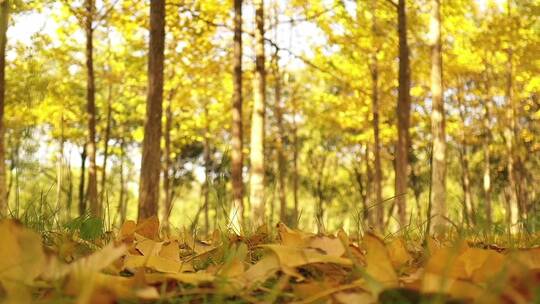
(151, 152)
(82, 194)
(122, 200)
(69, 199)
(469, 214)
(379, 216)
(168, 163)
(256, 187)
(438, 177)
(403, 117)
(280, 140)
(207, 171)
(487, 160)
(106, 145)
(295, 175)
(95, 208)
(237, 210)
(4, 16)
(511, 135)
(60, 166)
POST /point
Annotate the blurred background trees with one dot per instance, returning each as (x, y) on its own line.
(338, 97)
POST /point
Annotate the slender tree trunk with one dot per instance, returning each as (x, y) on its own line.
(319, 212)
(379, 216)
(295, 175)
(60, 166)
(237, 211)
(122, 201)
(95, 208)
(403, 117)
(82, 194)
(106, 145)
(12, 167)
(362, 181)
(438, 177)
(4, 16)
(369, 175)
(207, 171)
(256, 187)
(168, 163)
(487, 160)
(151, 152)
(469, 214)
(70, 190)
(280, 140)
(511, 135)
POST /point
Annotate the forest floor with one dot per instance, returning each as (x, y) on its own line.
(139, 264)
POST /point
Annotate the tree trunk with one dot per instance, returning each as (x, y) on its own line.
(95, 208)
(106, 145)
(403, 117)
(487, 160)
(295, 175)
(82, 196)
(207, 171)
(468, 208)
(379, 216)
(469, 214)
(122, 201)
(256, 187)
(319, 212)
(237, 210)
(511, 134)
(369, 175)
(438, 177)
(60, 166)
(280, 140)
(69, 199)
(4, 16)
(151, 152)
(168, 163)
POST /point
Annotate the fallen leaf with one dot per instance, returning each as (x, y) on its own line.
(330, 245)
(398, 254)
(294, 257)
(21, 260)
(378, 264)
(149, 228)
(262, 270)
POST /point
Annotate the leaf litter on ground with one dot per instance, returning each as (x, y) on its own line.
(139, 264)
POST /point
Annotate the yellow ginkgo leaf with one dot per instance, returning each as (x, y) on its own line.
(378, 264)
(398, 254)
(330, 245)
(21, 260)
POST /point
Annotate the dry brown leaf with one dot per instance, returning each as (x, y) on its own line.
(262, 270)
(378, 264)
(127, 231)
(171, 251)
(156, 263)
(197, 246)
(434, 283)
(398, 253)
(445, 261)
(193, 278)
(85, 277)
(529, 258)
(293, 238)
(149, 228)
(354, 297)
(330, 245)
(294, 257)
(148, 247)
(21, 260)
